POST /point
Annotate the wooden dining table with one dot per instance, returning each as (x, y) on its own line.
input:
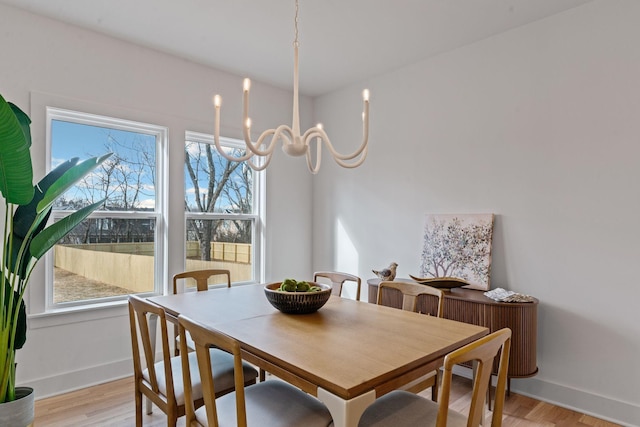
(346, 354)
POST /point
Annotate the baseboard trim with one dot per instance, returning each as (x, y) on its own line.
(602, 407)
(75, 380)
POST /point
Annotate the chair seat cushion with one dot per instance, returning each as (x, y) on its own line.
(221, 363)
(404, 409)
(271, 403)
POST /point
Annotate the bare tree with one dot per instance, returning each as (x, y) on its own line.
(124, 180)
(218, 186)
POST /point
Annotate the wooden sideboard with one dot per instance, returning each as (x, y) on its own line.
(471, 306)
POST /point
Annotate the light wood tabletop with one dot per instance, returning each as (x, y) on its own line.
(347, 354)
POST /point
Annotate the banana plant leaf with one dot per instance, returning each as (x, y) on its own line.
(69, 179)
(16, 173)
(25, 215)
(56, 231)
(21, 328)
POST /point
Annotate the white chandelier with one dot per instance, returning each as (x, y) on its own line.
(293, 143)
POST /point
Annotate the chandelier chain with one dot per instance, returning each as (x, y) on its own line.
(296, 43)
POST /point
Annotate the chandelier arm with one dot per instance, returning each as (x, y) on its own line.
(246, 127)
(255, 148)
(355, 164)
(337, 156)
(216, 141)
(247, 156)
(217, 102)
(314, 169)
(318, 133)
(258, 168)
(276, 134)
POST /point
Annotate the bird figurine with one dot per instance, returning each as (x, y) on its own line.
(388, 273)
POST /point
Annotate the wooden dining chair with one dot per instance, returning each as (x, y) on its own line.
(201, 277)
(404, 409)
(272, 403)
(163, 383)
(410, 293)
(337, 281)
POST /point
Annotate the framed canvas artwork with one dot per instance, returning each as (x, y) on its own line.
(459, 246)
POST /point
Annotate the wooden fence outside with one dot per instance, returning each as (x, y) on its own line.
(131, 265)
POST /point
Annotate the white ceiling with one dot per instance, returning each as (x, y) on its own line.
(341, 41)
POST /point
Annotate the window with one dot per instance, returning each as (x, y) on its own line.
(117, 250)
(222, 210)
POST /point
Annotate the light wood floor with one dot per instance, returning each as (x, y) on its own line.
(112, 404)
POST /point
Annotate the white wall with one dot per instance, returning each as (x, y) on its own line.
(43, 61)
(539, 125)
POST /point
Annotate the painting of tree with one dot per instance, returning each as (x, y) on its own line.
(458, 246)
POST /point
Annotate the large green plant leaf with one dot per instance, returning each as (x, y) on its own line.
(12, 261)
(25, 215)
(56, 231)
(24, 120)
(69, 179)
(21, 328)
(16, 172)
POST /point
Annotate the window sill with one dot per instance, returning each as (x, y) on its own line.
(77, 314)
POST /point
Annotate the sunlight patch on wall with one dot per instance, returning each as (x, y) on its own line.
(346, 257)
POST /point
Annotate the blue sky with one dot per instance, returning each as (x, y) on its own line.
(71, 139)
(85, 141)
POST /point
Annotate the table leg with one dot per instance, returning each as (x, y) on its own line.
(346, 413)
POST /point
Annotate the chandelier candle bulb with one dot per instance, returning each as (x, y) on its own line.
(246, 85)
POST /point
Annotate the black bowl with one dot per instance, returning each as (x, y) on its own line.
(297, 302)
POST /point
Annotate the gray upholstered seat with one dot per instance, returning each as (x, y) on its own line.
(271, 403)
(401, 408)
(222, 363)
(404, 409)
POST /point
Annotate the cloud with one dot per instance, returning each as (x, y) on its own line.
(192, 190)
(147, 204)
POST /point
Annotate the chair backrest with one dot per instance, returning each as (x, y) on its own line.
(410, 292)
(337, 280)
(140, 311)
(201, 277)
(204, 339)
(482, 351)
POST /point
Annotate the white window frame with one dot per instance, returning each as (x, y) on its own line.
(161, 135)
(257, 217)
